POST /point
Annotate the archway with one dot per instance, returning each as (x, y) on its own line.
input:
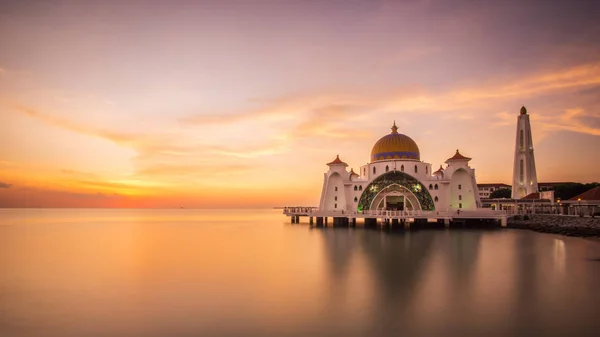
(411, 189)
(395, 198)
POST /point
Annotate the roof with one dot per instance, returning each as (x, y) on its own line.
(352, 173)
(337, 161)
(494, 185)
(458, 156)
(591, 194)
(555, 184)
(531, 196)
(439, 170)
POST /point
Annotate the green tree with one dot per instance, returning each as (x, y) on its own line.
(501, 193)
(568, 191)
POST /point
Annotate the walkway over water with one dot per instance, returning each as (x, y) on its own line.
(384, 216)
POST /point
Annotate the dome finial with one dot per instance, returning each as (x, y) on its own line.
(523, 110)
(394, 128)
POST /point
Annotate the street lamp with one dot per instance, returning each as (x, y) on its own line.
(579, 205)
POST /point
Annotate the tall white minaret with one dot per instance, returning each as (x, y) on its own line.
(524, 175)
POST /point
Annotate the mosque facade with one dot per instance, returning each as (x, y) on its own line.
(397, 179)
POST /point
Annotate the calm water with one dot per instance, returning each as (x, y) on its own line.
(250, 273)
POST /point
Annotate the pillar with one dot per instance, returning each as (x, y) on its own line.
(319, 222)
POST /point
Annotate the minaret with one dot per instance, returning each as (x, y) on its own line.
(524, 175)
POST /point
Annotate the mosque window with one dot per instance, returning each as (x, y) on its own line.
(430, 186)
(360, 188)
(521, 139)
(459, 197)
(335, 198)
(435, 199)
(335, 206)
(402, 168)
(459, 186)
(365, 172)
(426, 170)
(374, 170)
(355, 188)
(460, 205)
(355, 199)
(387, 168)
(435, 187)
(416, 169)
(336, 188)
(521, 179)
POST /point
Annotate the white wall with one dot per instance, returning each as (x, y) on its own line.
(335, 188)
(462, 191)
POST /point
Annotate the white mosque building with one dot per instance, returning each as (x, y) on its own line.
(397, 179)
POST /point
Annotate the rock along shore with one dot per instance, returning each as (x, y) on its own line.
(557, 224)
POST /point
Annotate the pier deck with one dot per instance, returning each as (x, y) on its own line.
(405, 216)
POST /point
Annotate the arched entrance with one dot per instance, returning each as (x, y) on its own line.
(395, 198)
(396, 187)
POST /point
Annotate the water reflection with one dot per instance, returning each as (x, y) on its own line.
(190, 273)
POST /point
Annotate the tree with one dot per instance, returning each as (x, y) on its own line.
(568, 191)
(501, 193)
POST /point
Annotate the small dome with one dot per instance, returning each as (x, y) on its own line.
(395, 146)
(337, 161)
(523, 110)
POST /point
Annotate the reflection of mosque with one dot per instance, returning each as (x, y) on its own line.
(397, 179)
(399, 266)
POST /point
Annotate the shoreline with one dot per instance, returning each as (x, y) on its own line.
(583, 227)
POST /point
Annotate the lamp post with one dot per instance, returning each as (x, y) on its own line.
(579, 206)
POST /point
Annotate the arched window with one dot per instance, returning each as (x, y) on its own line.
(416, 169)
(336, 188)
(355, 199)
(430, 186)
(335, 198)
(459, 186)
(374, 170)
(355, 188)
(335, 206)
(365, 172)
(521, 139)
(360, 188)
(387, 168)
(426, 169)
(460, 205)
(402, 168)
(521, 173)
(435, 199)
(435, 187)
(459, 197)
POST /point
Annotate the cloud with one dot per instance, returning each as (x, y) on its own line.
(192, 170)
(4, 185)
(574, 120)
(117, 137)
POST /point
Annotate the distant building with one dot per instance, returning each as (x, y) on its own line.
(524, 173)
(485, 190)
(552, 186)
(585, 204)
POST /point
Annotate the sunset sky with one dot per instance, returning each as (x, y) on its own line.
(241, 103)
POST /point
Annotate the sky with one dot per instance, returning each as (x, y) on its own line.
(219, 104)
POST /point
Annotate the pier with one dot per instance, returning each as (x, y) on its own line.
(395, 219)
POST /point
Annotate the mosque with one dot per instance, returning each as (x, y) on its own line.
(397, 179)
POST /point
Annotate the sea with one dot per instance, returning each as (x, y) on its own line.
(188, 272)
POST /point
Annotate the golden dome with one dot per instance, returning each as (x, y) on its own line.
(395, 146)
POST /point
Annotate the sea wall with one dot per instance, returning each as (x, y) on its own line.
(558, 224)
